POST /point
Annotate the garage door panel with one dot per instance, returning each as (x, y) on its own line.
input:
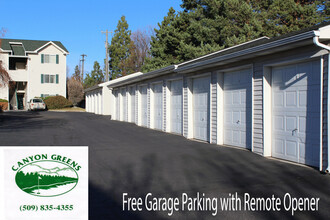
(298, 141)
(243, 97)
(278, 99)
(236, 97)
(279, 146)
(290, 123)
(291, 148)
(237, 107)
(243, 137)
(291, 99)
(228, 98)
(243, 117)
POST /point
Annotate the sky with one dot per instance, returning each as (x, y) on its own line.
(78, 23)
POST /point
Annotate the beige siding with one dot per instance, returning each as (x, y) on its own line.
(214, 105)
(185, 106)
(164, 106)
(257, 109)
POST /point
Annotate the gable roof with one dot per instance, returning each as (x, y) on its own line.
(29, 45)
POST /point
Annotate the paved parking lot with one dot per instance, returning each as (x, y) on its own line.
(125, 158)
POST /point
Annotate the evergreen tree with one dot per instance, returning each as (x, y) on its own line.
(205, 26)
(95, 77)
(281, 17)
(164, 44)
(119, 49)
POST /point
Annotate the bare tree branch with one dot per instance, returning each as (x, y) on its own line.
(4, 76)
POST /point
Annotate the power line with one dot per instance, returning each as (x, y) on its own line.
(82, 66)
(106, 54)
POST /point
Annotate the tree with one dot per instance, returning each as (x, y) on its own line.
(205, 26)
(119, 49)
(281, 17)
(139, 50)
(77, 75)
(95, 77)
(75, 91)
(164, 43)
(4, 76)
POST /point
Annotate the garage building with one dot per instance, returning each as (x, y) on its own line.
(267, 95)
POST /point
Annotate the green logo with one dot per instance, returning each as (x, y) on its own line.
(39, 176)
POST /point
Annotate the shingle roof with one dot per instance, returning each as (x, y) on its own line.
(18, 50)
(29, 45)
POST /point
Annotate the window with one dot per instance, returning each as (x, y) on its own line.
(48, 58)
(37, 100)
(46, 78)
(49, 78)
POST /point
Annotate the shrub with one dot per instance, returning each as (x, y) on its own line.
(3, 100)
(56, 102)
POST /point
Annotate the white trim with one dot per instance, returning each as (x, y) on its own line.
(220, 107)
(16, 43)
(267, 110)
(321, 114)
(17, 56)
(52, 43)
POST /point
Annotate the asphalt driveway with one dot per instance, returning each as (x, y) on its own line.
(125, 158)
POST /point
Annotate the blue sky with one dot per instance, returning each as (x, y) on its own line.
(78, 23)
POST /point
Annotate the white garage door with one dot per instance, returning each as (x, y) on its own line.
(117, 105)
(201, 108)
(158, 105)
(237, 108)
(123, 105)
(95, 103)
(296, 113)
(144, 106)
(101, 101)
(176, 107)
(132, 95)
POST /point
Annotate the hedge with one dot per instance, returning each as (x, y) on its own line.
(57, 102)
(3, 100)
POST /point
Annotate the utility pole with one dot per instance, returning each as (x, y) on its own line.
(106, 54)
(82, 66)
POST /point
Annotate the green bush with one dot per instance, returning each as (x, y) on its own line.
(56, 102)
(3, 100)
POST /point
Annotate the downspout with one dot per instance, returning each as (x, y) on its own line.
(317, 43)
